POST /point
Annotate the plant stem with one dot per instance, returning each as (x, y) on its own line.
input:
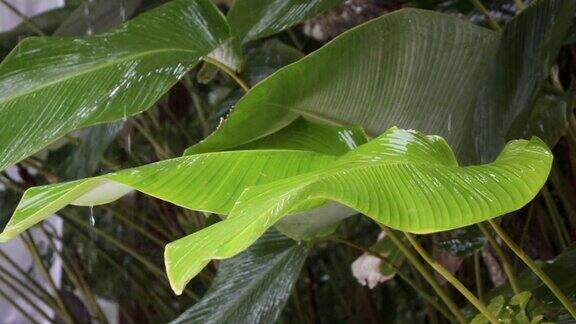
(24, 18)
(480, 7)
(534, 267)
(197, 103)
(506, 265)
(31, 245)
(50, 235)
(561, 232)
(45, 298)
(139, 257)
(29, 278)
(419, 266)
(229, 72)
(25, 298)
(160, 151)
(451, 279)
(520, 5)
(141, 230)
(478, 276)
(10, 300)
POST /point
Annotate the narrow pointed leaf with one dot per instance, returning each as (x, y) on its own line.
(402, 179)
(253, 286)
(50, 86)
(528, 47)
(380, 74)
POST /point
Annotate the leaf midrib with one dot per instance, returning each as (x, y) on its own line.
(69, 76)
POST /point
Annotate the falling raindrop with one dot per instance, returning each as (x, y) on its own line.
(92, 220)
(450, 122)
(88, 15)
(129, 137)
(92, 235)
(122, 11)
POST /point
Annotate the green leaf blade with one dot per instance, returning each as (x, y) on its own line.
(401, 179)
(241, 292)
(377, 75)
(209, 182)
(253, 19)
(528, 47)
(50, 86)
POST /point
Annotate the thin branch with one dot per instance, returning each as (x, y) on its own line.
(419, 266)
(535, 268)
(229, 72)
(451, 279)
(31, 24)
(506, 265)
(480, 7)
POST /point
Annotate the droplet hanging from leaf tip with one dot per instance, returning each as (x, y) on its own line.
(92, 219)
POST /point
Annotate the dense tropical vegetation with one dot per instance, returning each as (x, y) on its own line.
(249, 161)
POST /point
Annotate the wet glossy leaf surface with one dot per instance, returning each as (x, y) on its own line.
(208, 182)
(528, 45)
(402, 179)
(546, 119)
(411, 64)
(303, 135)
(50, 86)
(253, 286)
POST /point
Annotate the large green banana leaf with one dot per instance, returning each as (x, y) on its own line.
(528, 47)
(253, 19)
(402, 179)
(253, 286)
(210, 182)
(412, 68)
(50, 86)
